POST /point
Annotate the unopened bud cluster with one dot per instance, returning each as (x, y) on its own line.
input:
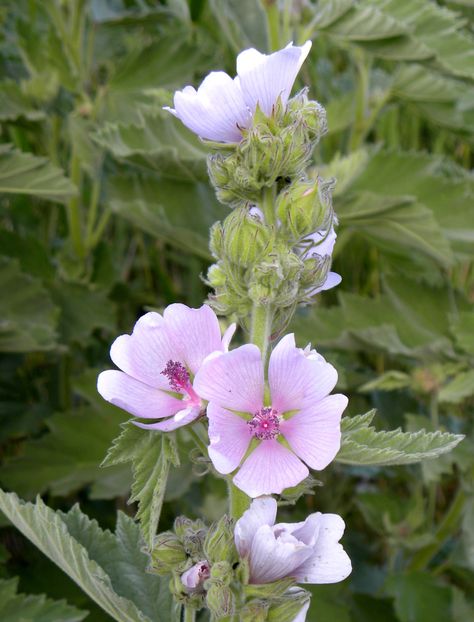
(206, 571)
(273, 149)
(267, 249)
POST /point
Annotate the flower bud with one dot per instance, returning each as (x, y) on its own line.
(254, 611)
(288, 606)
(245, 238)
(216, 240)
(219, 542)
(193, 578)
(222, 573)
(300, 209)
(168, 553)
(220, 600)
(183, 524)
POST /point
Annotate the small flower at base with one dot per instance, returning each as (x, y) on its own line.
(193, 579)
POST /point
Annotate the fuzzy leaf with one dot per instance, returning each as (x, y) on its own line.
(151, 454)
(363, 445)
(25, 173)
(33, 608)
(458, 389)
(110, 568)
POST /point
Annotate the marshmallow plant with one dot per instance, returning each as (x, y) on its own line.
(266, 419)
(263, 413)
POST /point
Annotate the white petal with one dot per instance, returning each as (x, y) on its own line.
(332, 280)
(216, 111)
(265, 78)
(329, 562)
(301, 617)
(274, 558)
(261, 512)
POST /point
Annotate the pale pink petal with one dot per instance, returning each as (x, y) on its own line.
(182, 417)
(233, 380)
(144, 354)
(194, 332)
(306, 531)
(333, 279)
(269, 469)
(195, 576)
(229, 437)
(297, 381)
(329, 562)
(262, 511)
(226, 338)
(272, 558)
(314, 433)
(265, 78)
(135, 397)
(216, 111)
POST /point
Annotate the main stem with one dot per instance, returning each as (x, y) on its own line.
(189, 614)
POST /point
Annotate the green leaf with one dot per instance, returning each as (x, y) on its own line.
(32, 608)
(15, 104)
(181, 213)
(420, 597)
(243, 23)
(366, 446)
(462, 327)
(417, 83)
(388, 381)
(160, 143)
(68, 457)
(28, 317)
(110, 568)
(25, 173)
(365, 23)
(458, 389)
(151, 454)
(83, 309)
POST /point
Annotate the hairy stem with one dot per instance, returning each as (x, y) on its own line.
(189, 614)
(261, 327)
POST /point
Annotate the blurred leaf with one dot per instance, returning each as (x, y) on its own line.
(158, 142)
(420, 597)
(243, 23)
(458, 389)
(388, 381)
(462, 327)
(14, 103)
(180, 214)
(365, 23)
(28, 608)
(67, 458)
(417, 83)
(28, 317)
(83, 309)
(365, 445)
(151, 454)
(30, 252)
(25, 173)
(110, 568)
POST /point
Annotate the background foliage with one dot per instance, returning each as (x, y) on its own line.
(105, 209)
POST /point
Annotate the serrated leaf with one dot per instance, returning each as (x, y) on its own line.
(151, 454)
(417, 83)
(28, 316)
(365, 23)
(160, 143)
(108, 573)
(33, 608)
(363, 445)
(357, 422)
(25, 173)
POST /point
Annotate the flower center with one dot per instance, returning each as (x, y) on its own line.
(265, 424)
(204, 571)
(177, 375)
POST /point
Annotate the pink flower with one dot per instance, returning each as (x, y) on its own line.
(271, 433)
(195, 576)
(222, 106)
(308, 551)
(158, 362)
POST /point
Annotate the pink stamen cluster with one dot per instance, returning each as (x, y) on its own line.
(265, 424)
(177, 375)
